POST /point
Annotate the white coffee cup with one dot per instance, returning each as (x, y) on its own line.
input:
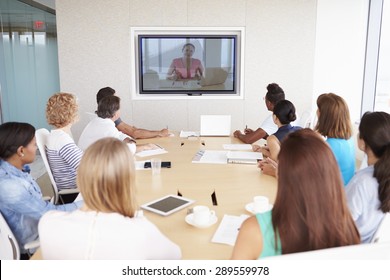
(260, 204)
(202, 215)
(156, 165)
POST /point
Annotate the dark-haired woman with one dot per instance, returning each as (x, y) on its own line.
(21, 201)
(368, 192)
(283, 115)
(310, 211)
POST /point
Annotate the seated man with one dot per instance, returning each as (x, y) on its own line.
(134, 132)
(104, 126)
(274, 94)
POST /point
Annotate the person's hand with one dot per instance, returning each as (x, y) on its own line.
(265, 151)
(248, 130)
(256, 148)
(164, 132)
(268, 167)
(237, 133)
(178, 76)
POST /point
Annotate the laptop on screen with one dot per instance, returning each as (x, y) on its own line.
(215, 125)
(213, 76)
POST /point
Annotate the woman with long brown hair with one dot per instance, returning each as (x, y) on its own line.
(310, 210)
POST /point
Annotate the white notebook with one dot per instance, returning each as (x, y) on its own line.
(244, 157)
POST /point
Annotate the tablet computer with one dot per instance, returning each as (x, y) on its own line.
(167, 204)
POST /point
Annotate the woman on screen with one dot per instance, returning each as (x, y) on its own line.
(186, 67)
(107, 226)
(310, 210)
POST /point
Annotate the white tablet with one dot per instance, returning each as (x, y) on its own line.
(167, 204)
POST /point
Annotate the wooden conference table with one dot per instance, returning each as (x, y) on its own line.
(235, 186)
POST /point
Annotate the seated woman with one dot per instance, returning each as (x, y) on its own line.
(334, 123)
(186, 67)
(62, 153)
(368, 192)
(107, 226)
(310, 211)
(20, 196)
(283, 115)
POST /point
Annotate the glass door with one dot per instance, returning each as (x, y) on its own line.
(29, 72)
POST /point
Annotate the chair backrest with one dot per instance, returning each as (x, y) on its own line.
(90, 115)
(41, 136)
(9, 248)
(382, 234)
(370, 251)
(306, 120)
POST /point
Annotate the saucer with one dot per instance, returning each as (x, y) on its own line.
(189, 219)
(249, 208)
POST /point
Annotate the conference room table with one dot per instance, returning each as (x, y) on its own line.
(234, 185)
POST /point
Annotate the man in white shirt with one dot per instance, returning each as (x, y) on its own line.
(132, 131)
(274, 94)
(104, 126)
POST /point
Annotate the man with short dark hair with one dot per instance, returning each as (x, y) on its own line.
(134, 132)
(104, 126)
(274, 94)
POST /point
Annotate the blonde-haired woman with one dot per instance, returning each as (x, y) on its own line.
(107, 226)
(335, 124)
(63, 154)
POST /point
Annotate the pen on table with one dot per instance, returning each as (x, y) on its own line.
(159, 146)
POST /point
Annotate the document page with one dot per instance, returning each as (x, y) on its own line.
(186, 134)
(209, 156)
(228, 229)
(151, 152)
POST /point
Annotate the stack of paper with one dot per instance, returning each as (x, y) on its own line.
(228, 229)
(186, 134)
(237, 147)
(244, 157)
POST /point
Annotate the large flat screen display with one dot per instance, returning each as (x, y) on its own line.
(187, 64)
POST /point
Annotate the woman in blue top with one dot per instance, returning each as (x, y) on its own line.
(283, 115)
(20, 196)
(334, 123)
(310, 211)
(368, 193)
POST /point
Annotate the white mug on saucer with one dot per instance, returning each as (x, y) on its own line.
(260, 204)
(202, 215)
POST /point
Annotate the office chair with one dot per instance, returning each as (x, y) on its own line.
(9, 245)
(370, 251)
(307, 119)
(382, 234)
(41, 136)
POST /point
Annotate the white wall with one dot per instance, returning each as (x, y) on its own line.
(340, 50)
(280, 46)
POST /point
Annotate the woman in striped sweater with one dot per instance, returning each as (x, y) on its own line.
(63, 154)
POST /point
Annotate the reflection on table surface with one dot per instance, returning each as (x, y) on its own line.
(235, 186)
